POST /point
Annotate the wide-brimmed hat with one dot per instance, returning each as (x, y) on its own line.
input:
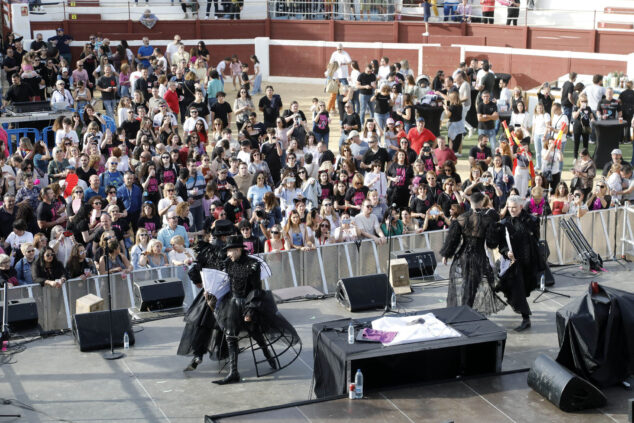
(223, 227)
(234, 241)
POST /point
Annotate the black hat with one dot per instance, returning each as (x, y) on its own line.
(234, 241)
(223, 227)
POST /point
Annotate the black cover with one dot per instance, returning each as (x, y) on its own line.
(563, 388)
(596, 336)
(22, 313)
(609, 136)
(364, 292)
(476, 352)
(421, 262)
(159, 294)
(92, 330)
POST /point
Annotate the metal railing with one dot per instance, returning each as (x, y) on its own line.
(323, 267)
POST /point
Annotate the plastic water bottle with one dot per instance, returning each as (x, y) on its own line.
(393, 301)
(542, 283)
(358, 384)
(126, 341)
(350, 333)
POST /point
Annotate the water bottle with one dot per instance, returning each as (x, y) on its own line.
(358, 384)
(542, 283)
(350, 333)
(126, 341)
(393, 301)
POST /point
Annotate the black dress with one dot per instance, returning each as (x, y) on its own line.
(201, 332)
(247, 298)
(471, 275)
(520, 279)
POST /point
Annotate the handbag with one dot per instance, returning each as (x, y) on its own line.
(332, 87)
(574, 183)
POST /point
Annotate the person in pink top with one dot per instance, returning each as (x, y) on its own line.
(443, 153)
(488, 10)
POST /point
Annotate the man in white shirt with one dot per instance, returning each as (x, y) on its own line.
(61, 95)
(138, 73)
(173, 46)
(190, 122)
(368, 224)
(464, 92)
(342, 58)
(157, 120)
(595, 92)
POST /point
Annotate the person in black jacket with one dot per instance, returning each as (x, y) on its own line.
(526, 262)
(47, 270)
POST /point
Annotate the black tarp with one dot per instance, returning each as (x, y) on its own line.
(596, 335)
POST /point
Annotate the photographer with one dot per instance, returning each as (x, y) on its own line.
(551, 166)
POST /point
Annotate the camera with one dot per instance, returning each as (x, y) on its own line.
(260, 213)
(427, 149)
(298, 120)
(433, 212)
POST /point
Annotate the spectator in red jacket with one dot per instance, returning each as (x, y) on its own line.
(171, 98)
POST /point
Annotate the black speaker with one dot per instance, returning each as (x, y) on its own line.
(549, 279)
(92, 330)
(421, 262)
(22, 313)
(364, 292)
(159, 294)
(563, 388)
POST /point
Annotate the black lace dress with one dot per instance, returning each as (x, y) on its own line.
(201, 332)
(471, 276)
(521, 278)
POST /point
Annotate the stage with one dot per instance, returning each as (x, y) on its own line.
(148, 385)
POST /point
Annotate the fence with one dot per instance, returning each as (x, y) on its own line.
(323, 267)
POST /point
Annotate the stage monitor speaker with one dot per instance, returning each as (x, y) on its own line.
(89, 303)
(421, 262)
(545, 252)
(159, 294)
(92, 330)
(399, 276)
(363, 292)
(563, 388)
(22, 313)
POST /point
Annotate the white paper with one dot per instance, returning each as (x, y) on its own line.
(408, 333)
(215, 282)
(505, 263)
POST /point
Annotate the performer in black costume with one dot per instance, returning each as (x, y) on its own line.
(471, 275)
(248, 307)
(520, 279)
(201, 328)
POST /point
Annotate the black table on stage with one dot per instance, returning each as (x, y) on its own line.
(432, 116)
(609, 136)
(479, 350)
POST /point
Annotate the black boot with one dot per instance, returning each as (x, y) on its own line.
(259, 339)
(194, 363)
(526, 323)
(233, 376)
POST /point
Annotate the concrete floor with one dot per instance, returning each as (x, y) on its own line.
(148, 385)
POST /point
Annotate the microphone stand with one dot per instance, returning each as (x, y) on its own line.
(111, 355)
(542, 278)
(5, 334)
(388, 307)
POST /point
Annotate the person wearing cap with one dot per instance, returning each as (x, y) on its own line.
(358, 147)
(62, 42)
(617, 158)
(61, 95)
(420, 135)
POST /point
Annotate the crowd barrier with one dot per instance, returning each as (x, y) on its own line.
(609, 232)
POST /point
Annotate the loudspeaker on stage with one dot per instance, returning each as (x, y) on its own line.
(92, 332)
(364, 292)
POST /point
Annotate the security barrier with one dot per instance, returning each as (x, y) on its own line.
(323, 267)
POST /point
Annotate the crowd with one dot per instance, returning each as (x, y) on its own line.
(184, 156)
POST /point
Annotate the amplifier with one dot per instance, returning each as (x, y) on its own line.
(421, 262)
(22, 313)
(159, 294)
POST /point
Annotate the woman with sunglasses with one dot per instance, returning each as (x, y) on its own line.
(599, 199)
(578, 206)
(141, 241)
(167, 170)
(80, 266)
(399, 175)
(275, 242)
(169, 201)
(242, 106)
(47, 270)
(323, 233)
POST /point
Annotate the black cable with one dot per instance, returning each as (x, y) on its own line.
(16, 403)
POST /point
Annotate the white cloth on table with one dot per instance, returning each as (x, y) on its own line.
(431, 329)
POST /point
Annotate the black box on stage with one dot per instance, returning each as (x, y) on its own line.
(22, 313)
(159, 294)
(92, 330)
(421, 262)
(364, 292)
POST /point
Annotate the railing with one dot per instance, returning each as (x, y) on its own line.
(373, 10)
(323, 267)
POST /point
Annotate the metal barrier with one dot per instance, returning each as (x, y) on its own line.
(323, 267)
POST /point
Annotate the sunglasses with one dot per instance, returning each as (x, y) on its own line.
(324, 226)
(327, 204)
(79, 191)
(275, 232)
(96, 203)
(143, 234)
(170, 190)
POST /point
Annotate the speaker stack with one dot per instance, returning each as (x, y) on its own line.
(421, 262)
(22, 314)
(92, 329)
(159, 294)
(363, 292)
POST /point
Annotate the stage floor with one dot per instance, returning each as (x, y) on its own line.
(148, 385)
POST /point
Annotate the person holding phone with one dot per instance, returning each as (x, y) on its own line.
(62, 243)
